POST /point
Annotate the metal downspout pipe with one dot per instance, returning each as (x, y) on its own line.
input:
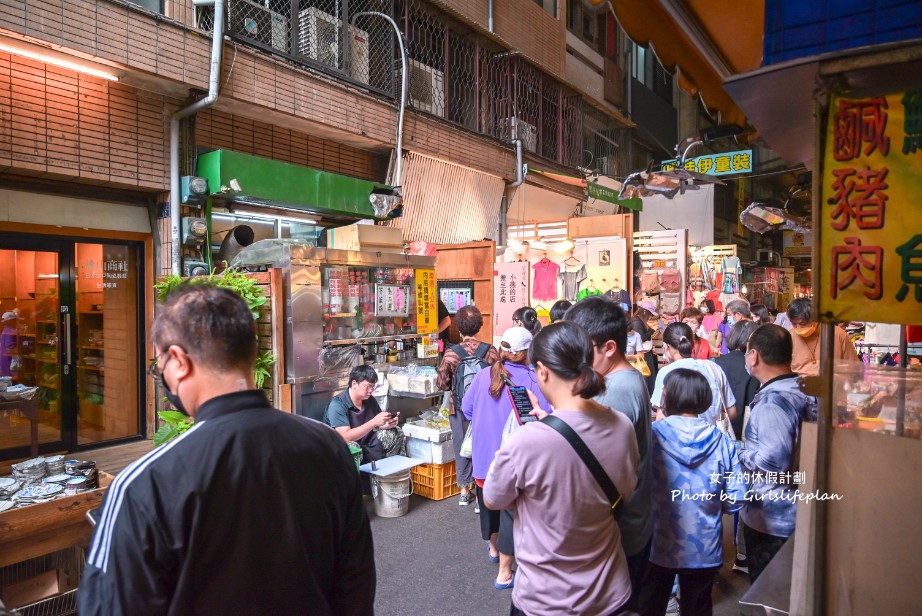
(214, 81)
(520, 170)
(490, 16)
(404, 81)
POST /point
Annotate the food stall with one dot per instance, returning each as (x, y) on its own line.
(344, 307)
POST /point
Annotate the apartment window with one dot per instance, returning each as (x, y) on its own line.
(153, 5)
(587, 26)
(639, 63)
(548, 5)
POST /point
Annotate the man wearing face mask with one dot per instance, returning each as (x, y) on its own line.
(736, 311)
(252, 510)
(772, 445)
(806, 336)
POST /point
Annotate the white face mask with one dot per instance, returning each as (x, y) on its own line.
(704, 310)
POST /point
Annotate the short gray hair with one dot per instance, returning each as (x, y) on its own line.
(739, 306)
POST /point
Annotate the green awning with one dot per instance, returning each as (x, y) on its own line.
(263, 181)
(604, 193)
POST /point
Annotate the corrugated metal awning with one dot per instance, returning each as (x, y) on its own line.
(447, 204)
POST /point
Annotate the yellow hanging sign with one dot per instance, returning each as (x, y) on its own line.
(870, 211)
(427, 307)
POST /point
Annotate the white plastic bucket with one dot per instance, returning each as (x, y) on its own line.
(391, 494)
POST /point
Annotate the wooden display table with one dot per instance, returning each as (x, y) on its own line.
(29, 408)
(44, 528)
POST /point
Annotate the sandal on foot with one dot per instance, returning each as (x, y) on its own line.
(507, 585)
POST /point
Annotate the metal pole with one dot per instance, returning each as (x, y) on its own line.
(398, 168)
(214, 81)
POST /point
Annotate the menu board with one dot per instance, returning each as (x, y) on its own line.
(392, 300)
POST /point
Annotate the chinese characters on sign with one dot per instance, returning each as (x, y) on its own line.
(510, 292)
(107, 273)
(427, 309)
(870, 244)
(716, 164)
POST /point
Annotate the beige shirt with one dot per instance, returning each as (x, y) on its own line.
(806, 360)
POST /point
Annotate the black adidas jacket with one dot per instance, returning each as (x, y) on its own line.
(252, 511)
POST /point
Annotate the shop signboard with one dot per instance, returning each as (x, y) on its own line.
(456, 298)
(725, 163)
(870, 241)
(798, 244)
(427, 307)
(510, 292)
(598, 192)
(392, 300)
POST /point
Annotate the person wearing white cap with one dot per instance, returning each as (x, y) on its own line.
(8, 342)
(645, 322)
(488, 405)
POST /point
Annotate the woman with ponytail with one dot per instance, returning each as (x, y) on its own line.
(527, 317)
(487, 405)
(567, 544)
(678, 346)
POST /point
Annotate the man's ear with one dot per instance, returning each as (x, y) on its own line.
(610, 348)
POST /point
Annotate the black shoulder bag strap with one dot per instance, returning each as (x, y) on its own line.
(582, 450)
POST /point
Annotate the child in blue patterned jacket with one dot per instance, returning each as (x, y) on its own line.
(696, 479)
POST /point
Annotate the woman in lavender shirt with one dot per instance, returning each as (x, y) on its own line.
(567, 544)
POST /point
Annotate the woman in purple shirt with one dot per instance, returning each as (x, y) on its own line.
(567, 544)
(487, 405)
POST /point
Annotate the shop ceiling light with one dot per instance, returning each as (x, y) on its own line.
(564, 247)
(515, 245)
(538, 245)
(56, 59)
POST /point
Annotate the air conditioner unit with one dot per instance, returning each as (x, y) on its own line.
(259, 23)
(321, 41)
(427, 88)
(513, 128)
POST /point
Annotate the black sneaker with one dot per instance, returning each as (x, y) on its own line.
(740, 565)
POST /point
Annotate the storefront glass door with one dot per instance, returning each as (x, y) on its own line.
(106, 335)
(30, 353)
(69, 347)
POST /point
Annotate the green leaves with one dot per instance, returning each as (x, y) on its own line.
(174, 422)
(264, 363)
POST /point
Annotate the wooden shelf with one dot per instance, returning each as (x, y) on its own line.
(343, 315)
(91, 348)
(92, 368)
(44, 321)
(90, 312)
(46, 361)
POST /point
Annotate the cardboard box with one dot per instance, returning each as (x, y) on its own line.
(373, 238)
(33, 589)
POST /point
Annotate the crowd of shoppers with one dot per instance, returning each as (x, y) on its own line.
(590, 509)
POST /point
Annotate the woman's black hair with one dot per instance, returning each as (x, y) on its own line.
(739, 335)
(710, 304)
(566, 349)
(559, 308)
(680, 337)
(528, 318)
(686, 391)
(761, 311)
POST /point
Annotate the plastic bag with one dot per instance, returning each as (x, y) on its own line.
(467, 445)
(641, 365)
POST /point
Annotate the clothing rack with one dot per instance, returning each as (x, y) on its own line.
(662, 250)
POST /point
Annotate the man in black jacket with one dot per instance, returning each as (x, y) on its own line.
(251, 511)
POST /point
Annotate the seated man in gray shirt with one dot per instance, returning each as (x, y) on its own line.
(625, 392)
(355, 414)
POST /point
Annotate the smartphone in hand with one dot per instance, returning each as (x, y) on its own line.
(521, 404)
